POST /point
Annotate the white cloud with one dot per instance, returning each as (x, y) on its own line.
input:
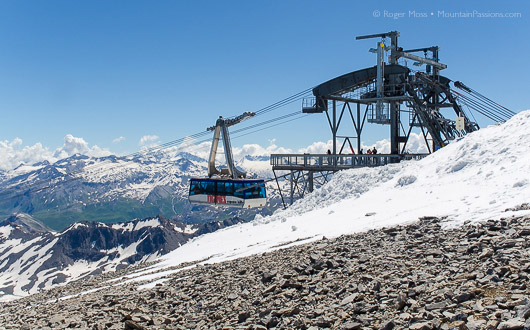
(317, 148)
(415, 144)
(382, 146)
(16, 142)
(148, 141)
(76, 145)
(118, 139)
(202, 149)
(257, 150)
(12, 154)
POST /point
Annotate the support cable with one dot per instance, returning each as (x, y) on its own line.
(484, 101)
(51, 183)
(264, 110)
(493, 107)
(473, 104)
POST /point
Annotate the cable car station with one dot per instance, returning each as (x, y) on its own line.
(389, 93)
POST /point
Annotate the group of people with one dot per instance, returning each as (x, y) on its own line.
(372, 151)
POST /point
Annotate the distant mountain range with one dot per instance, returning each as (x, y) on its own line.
(83, 216)
(112, 189)
(33, 258)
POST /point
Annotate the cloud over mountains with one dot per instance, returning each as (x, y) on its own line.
(14, 153)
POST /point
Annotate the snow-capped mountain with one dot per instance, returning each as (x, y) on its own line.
(111, 189)
(33, 258)
(61, 221)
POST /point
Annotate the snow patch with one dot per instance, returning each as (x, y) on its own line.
(155, 222)
(5, 231)
(189, 229)
(75, 226)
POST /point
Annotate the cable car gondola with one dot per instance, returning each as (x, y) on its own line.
(227, 192)
(228, 187)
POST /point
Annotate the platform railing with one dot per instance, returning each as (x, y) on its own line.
(335, 162)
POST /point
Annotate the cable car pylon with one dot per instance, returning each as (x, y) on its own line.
(221, 126)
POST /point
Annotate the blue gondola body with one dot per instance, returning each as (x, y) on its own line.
(242, 193)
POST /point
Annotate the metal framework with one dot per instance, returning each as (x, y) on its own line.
(221, 126)
(387, 94)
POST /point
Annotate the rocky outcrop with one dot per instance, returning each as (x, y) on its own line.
(418, 276)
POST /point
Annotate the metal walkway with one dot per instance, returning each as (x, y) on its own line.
(307, 171)
(324, 162)
(390, 93)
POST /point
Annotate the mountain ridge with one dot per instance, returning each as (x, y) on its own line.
(32, 260)
(26, 221)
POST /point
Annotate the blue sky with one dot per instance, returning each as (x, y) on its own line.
(101, 70)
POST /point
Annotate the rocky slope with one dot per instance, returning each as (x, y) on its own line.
(419, 276)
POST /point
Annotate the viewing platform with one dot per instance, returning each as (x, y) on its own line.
(325, 162)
